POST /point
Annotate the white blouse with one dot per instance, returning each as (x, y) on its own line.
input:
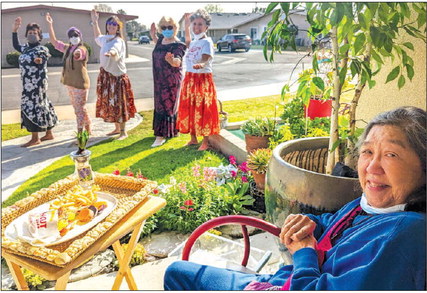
(114, 64)
(194, 54)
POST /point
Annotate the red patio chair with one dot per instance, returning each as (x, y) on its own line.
(224, 220)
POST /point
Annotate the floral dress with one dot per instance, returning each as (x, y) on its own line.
(167, 85)
(37, 112)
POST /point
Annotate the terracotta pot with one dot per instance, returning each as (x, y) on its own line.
(256, 142)
(295, 182)
(318, 108)
(259, 180)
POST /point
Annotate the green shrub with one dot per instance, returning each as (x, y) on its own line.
(259, 126)
(89, 49)
(34, 281)
(283, 133)
(12, 58)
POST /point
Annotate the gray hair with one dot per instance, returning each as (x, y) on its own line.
(412, 122)
(201, 13)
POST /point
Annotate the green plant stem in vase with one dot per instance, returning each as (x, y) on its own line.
(83, 170)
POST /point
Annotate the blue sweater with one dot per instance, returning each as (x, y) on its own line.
(379, 252)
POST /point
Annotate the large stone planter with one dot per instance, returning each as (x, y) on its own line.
(295, 182)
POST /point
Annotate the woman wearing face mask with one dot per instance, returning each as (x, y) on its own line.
(74, 72)
(37, 112)
(115, 101)
(198, 109)
(167, 76)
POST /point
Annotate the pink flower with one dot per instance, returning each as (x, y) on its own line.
(129, 173)
(183, 187)
(244, 167)
(233, 173)
(244, 179)
(182, 208)
(232, 160)
(116, 172)
(156, 191)
(196, 171)
(188, 202)
(190, 209)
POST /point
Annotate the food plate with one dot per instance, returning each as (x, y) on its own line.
(18, 228)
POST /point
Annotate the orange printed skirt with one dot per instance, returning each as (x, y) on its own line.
(198, 108)
(115, 102)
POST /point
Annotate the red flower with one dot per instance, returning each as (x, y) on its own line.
(116, 172)
(233, 173)
(188, 202)
(141, 176)
(155, 191)
(129, 173)
(244, 167)
(244, 179)
(232, 160)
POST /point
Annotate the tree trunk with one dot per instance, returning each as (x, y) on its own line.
(335, 104)
(350, 159)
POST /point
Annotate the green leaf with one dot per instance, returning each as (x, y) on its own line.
(335, 145)
(401, 82)
(285, 7)
(359, 43)
(362, 20)
(344, 48)
(320, 84)
(409, 45)
(371, 83)
(410, 71)
(270, 7)
(275, 16)
(337, 14)
(376, 57)
(393, 74)
(343, 74)
(388, 45)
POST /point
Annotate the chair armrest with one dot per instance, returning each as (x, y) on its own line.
(234, 219)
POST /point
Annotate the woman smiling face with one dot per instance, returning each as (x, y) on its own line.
(199, 26)
(389, 169)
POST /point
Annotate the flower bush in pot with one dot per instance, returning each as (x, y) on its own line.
(257, 132)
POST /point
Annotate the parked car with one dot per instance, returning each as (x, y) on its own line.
(144, 40)
(233, 42)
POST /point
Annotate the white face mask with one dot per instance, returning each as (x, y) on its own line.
(74, 40)
(372, 210)
(198, 36)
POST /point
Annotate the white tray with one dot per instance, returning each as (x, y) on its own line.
(22, 221)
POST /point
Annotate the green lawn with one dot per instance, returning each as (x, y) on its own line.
(9, 131)
(136, 153)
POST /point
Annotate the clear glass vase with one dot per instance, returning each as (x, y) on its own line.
(83, 170)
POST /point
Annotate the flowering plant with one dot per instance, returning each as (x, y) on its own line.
(200, 194)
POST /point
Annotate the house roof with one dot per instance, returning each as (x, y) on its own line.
(228, 20)
(58, 8)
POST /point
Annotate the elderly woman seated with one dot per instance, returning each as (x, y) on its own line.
(376, 242)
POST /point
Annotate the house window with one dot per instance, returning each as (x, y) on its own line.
(254, 33)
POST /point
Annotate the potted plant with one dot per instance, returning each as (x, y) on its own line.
(258, 163)
(257, 132)
(362, 37)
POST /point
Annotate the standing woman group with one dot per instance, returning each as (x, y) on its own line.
(37, 112)
(115, 102)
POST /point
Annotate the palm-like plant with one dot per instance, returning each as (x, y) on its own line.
(82, 139)
(259, 159)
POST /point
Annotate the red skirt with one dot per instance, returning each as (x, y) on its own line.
(115, 102)
(198, 108)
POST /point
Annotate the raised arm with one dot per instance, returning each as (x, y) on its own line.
(95, 17)
(52, 36)
(15, 27)
(187, 29)
(153, 33)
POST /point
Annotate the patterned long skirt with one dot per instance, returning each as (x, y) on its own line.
(115, 102)
(198, 107)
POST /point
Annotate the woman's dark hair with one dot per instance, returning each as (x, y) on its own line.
(118, 21)
(70, 33)
(412, 122)
(34, 27)
(201, 13)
